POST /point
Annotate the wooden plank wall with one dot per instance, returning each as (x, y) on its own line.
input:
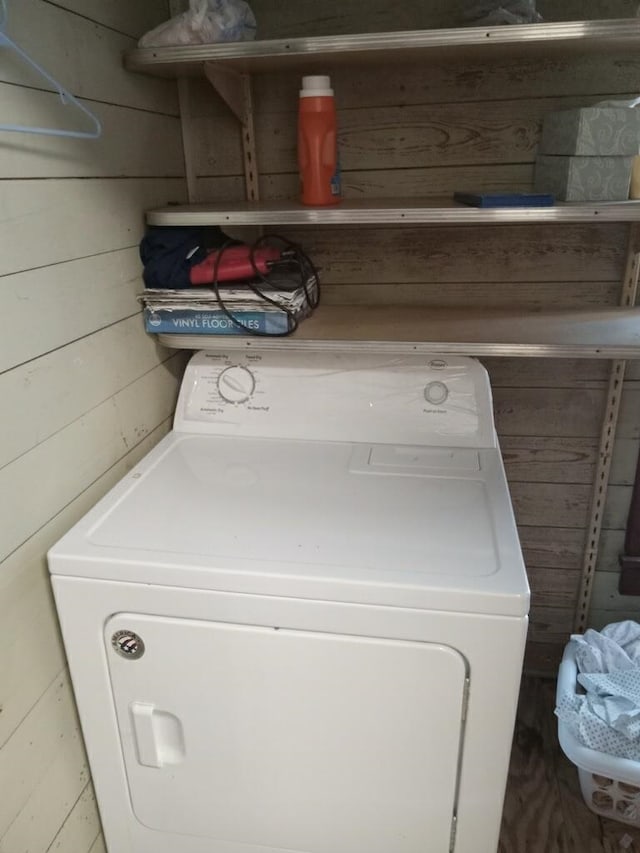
(85, 393)
(304, 17)
(419, 130)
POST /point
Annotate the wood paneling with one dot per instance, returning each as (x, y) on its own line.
(448, 127)
(611, 547)
(551, 504)
(411, 84)
(81, 827)
(550, 624)
(57, 389)
(629, 425)
(543, 658)
(617, 609)
(625, 458)
(515, 254)
(33, 656)
(134, 19)
(541, 373)
(608, 604)
(32, 652)
(548, 412)
(394, 137)
(530, 295)
(127, 147)
(77, 51)
(49, 733)
(64, 771)
(77, 298)
(85, 392)
(617, 507)
(530, 459)
(279, 18)
(77, 455)
(98, 845)
(552, 547)
(554, 588)
(75, 219)
(576, 10)
(378, 183)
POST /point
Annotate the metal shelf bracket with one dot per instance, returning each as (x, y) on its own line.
(235, 91)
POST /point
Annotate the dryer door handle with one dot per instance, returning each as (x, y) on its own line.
(158, 735)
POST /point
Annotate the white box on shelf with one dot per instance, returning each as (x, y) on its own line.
(592, 131)
(583, 178)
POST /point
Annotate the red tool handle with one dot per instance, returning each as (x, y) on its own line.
(234, 264)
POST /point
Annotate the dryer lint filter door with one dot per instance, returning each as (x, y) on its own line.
(266, 737)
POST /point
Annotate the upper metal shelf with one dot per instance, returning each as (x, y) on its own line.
(549, 39)
(426, 211)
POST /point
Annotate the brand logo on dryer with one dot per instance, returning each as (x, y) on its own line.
(128, 644)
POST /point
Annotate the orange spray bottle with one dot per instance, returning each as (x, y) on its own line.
(317, 143)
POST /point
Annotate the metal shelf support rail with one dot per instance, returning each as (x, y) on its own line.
(235, 91)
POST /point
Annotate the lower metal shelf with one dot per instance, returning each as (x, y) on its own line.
(595, 333)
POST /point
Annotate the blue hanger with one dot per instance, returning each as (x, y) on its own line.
(65, 96)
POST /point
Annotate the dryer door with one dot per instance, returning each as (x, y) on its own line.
(287, 739)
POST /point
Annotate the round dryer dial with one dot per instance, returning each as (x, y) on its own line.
(436, 393)
(236, 384)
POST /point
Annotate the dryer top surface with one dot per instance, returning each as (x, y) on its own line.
(399, 525)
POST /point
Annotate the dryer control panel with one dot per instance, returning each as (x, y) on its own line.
(338, 396)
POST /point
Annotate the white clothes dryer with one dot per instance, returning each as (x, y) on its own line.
(298, 624)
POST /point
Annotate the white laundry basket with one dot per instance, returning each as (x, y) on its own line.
(610, 786)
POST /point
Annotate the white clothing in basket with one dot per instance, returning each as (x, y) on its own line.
(607, 717)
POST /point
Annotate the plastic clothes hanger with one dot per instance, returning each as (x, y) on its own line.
(65, 96)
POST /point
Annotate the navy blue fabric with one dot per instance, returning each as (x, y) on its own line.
(168, 253)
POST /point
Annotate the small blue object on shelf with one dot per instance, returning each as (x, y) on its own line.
(505, 199)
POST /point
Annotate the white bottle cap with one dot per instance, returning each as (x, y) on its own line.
(318, 86)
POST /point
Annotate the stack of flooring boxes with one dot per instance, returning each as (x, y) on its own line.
(588, 154)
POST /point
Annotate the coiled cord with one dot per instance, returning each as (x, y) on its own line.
(301, 265)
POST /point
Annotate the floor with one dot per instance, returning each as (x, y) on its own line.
(544, 810)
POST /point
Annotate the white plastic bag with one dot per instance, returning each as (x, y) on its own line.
(205, 22)
(491, 14)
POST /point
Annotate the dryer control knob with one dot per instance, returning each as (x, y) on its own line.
(236, 384)
(436, 393)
